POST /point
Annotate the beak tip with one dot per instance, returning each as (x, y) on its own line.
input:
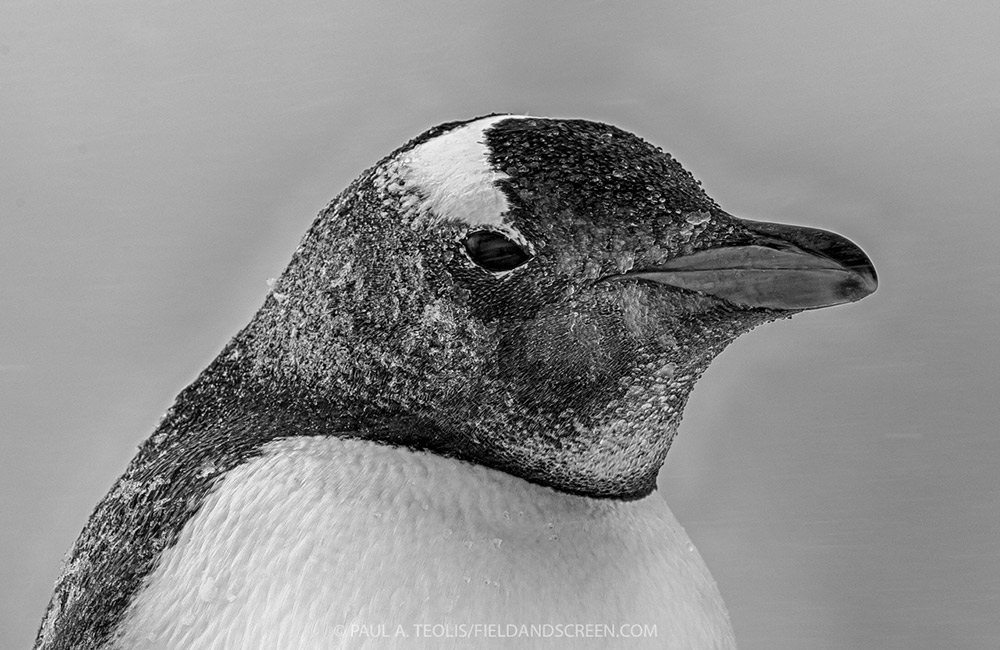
(857, 287)
(863, 280)
(854, 285)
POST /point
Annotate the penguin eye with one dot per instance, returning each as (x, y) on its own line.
(494, 252)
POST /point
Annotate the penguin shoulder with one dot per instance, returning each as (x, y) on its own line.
(396, 541)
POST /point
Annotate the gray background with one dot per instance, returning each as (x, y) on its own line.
(160, 160)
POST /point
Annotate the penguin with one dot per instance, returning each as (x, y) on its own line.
(443, 427)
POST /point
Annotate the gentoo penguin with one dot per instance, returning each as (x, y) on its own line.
(443, 427)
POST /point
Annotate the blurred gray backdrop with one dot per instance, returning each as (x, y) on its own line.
(159, 161)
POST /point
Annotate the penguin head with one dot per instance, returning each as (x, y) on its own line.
(535, 295)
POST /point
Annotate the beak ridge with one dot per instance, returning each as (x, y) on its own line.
(785, 267)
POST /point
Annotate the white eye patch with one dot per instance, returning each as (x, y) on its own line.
(458, 184)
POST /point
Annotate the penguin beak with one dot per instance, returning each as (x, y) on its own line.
(784, 267)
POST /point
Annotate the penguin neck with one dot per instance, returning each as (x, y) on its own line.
(238, 391)
(230, 388)
(613, 453)
(227, 397)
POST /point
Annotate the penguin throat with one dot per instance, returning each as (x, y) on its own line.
(586, 404)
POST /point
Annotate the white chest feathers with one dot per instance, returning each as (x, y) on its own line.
(326, 543)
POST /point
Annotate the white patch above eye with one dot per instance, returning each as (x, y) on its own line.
(454, 174)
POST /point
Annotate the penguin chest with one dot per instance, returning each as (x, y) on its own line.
(324, 543)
